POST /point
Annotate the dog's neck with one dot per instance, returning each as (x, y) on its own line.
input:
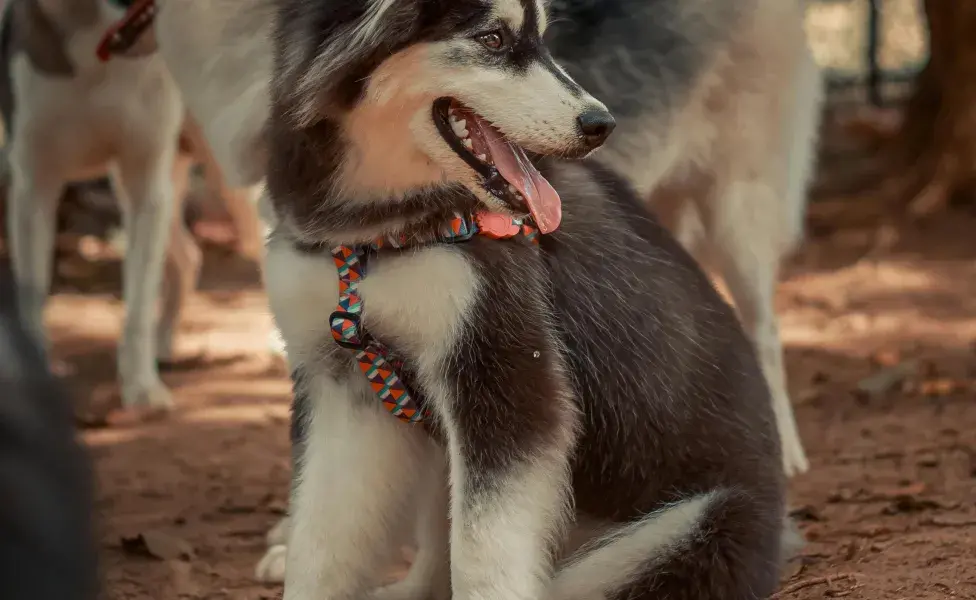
(304, 172)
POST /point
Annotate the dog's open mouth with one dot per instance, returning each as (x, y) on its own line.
(126, 32)
(508, 173)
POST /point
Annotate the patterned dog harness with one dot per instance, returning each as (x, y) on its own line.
(373, 357)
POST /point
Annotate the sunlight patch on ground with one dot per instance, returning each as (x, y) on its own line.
(867, 306)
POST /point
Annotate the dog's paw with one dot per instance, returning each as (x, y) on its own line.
(152, 395)
(794, 458)
(271, 568)
(278, 535)
(276, 344)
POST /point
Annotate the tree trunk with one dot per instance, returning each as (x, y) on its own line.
(934, 153)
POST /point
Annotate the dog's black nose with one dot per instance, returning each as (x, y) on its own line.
(596, 125)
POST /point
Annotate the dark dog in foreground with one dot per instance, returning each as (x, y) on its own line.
(46, 547)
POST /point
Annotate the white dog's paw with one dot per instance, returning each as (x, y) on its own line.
(794, 458)
(278, 535)
(276, 344)
(151, 395)
(271, 568)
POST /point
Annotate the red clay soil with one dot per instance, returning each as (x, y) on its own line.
(882, 367)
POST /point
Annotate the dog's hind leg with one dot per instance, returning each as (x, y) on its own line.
(241, 202)
(242, 205)
(355, 467)
(32, 223)
(143, 184)
(183, 262)
(714, 545)
(749, 265)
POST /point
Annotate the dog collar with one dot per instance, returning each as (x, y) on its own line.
(380, 366)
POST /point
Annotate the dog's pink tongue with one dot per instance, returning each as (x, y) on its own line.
(510, 160)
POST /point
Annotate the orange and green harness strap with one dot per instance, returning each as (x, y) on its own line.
(374, 358)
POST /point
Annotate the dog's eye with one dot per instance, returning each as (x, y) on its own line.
(493, 40)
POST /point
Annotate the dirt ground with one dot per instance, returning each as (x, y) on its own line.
(881, 352)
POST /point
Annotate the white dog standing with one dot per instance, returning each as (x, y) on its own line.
(70, 118)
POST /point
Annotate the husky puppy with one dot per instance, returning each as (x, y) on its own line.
(597, 422)
(718, 103)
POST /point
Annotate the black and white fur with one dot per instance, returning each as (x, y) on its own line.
(717, 102)
(602, 428)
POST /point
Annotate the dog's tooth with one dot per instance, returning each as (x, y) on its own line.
(511, 188)
(467, 143)
(460, 128)
(482, 158)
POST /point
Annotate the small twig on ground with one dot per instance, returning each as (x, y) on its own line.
(799, 585)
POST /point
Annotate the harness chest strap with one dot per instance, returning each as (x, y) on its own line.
(374, 358)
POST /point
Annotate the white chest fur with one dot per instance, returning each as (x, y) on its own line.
(417, 300)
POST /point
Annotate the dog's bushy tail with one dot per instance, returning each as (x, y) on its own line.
(723, 544)
(46, 545)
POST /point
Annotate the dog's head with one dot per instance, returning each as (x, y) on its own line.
(428, 92)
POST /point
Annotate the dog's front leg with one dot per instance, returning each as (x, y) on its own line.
(510, 421)
(32, 208)
(354, 469)
(144, 186)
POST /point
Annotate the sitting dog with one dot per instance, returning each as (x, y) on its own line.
(718, 101)
(69, 117)
(520, 361)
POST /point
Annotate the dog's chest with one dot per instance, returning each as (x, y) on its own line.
(419, 299)
(415, 301)
(89, 118)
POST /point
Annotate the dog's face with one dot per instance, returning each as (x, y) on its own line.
(428, 92)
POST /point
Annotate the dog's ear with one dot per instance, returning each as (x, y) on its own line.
(325, 51)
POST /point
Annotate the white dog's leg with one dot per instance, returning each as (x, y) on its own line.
(32, 222)
(183, 262)
(242, 205)
(355, 467)
(430, 574)
(145, 190)
(278, 534)
(750, 267)
(241, 202)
